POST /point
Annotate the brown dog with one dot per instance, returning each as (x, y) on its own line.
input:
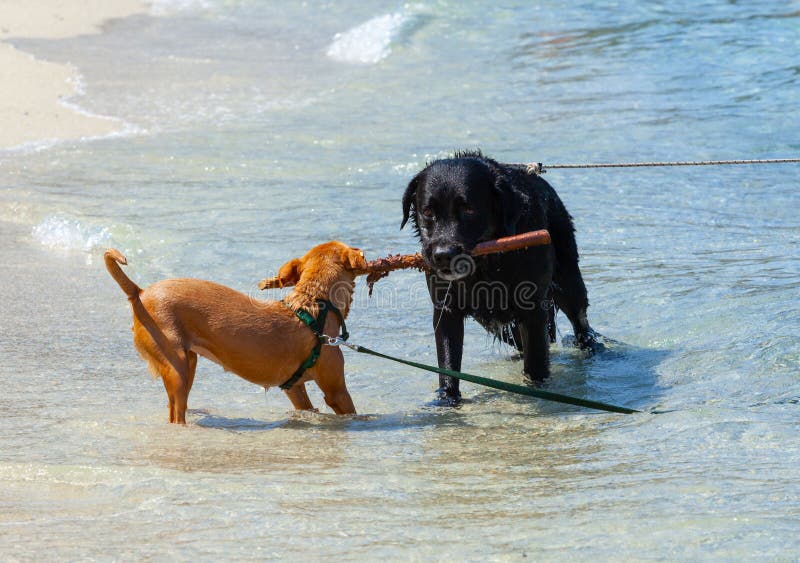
(262, 341)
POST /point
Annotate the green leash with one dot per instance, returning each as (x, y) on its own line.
(493, 383)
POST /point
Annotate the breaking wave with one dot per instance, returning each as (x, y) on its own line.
(370, 42)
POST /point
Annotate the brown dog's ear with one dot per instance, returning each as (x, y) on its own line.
(354, 259)
(288, 275)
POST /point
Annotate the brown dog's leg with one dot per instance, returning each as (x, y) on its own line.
(171, 399)
(192, 356)
(177, 386)
(299, 398)
(159, 367)
(184, 386)
(177, 376)
(336, 395)
(166, 359)
(341, 402)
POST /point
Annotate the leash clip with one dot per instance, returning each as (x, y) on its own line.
(334, 340)
(535, 169)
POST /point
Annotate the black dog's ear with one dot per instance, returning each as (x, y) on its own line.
(408, 199)
(510, 205)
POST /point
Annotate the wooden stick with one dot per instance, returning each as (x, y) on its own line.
(380, 267)
(516, 242)
(393, 262)
(505, 244)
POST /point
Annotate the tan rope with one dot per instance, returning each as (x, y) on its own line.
(539, 168)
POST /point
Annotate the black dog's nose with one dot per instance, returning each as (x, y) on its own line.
(443, 256)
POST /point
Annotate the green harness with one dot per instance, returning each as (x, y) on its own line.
(317, 326)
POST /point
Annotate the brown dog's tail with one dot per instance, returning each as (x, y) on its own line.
(114, 258)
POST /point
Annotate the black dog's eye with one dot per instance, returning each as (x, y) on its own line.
(427, 213)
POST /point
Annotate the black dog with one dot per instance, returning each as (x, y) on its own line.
(455, 204)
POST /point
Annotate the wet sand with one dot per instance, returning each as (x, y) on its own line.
(35, 106)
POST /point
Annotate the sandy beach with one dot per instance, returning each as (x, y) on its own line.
(32, 107)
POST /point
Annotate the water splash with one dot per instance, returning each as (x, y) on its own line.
(59, 232)
(368, 43)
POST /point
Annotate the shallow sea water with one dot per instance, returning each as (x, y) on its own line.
(256, 130)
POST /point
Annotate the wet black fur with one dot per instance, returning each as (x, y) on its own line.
(473, 198)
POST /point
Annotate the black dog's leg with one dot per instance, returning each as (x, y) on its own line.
(571, 298)
(449, 330)
(569, 291)
(551, 322)
(536, 343)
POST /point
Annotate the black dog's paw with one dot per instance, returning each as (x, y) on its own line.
(587, 342)
(445, 399)
(534, 381)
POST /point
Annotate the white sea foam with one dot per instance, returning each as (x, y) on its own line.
(127, 129)
(124, 128)
(63, 233)
(79, 85)
(368, 43)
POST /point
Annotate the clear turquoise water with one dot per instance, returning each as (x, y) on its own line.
(255, 134)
